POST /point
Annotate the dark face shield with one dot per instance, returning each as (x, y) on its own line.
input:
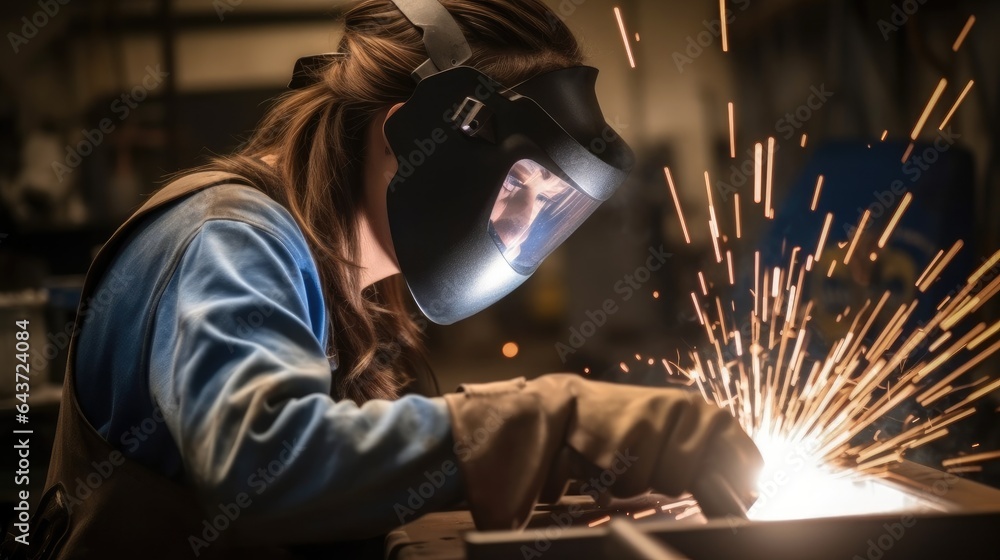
(491, 181)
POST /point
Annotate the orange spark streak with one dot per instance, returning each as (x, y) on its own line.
(732, 122)
(958, 102)
(822, 236)
(729, 260)
(725, 27)
(895, 219)
(933, 274)
(982, 270)
(697, 308)
(819, 189)
(909, 150)
(978, 458)
(621, 26)
(927, 110)
(739, 225)
(677, 204)
(758, 157)
(600, 521)
(770, 177)
(965, 31)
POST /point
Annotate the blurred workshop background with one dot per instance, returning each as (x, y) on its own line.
(100, 99)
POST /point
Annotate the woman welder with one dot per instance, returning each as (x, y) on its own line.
(258, 361)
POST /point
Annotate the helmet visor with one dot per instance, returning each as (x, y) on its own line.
(534, 213)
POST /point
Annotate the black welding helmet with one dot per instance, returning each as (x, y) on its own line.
(491, 178)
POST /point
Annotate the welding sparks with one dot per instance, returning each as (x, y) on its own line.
(621, 27)
(819, 189)
(725, 27)
(895, 220)
(857, 236)
(758, 156)
(739, 222)
(768, 209)
(784, 397)
(954, 107)
(816, 408)
(600, 521)
(677, 204)
(964, 33)
(927, 110)
(732, 129)
(968, 459)
(909, 150)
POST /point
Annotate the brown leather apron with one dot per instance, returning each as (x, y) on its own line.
(130, 511)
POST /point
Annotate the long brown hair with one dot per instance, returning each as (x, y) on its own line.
(317, 135)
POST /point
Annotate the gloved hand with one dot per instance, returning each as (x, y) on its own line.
(514, 437)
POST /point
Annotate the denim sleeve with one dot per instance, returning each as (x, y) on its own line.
(244, 384)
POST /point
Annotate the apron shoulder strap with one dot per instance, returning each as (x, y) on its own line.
(174, 190)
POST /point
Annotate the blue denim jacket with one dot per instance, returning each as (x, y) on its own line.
(202, 356)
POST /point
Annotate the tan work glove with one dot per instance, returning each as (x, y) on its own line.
(512, 438)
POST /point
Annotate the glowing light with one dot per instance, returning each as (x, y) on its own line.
(732, 130)
(895, 220)
(768, 209)
(927, 110)
(954, 107)
(857, 236)
(646, 513)
(964, 33)
(797, 484)
(819, 189)
(510, 350)
(677, 204)
(758, 157)
(725, 26)
(600, 521)
(621, 27)
(909, 150)
(739, 221)
(656, 295)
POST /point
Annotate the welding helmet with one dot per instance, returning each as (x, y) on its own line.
(491, 178)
